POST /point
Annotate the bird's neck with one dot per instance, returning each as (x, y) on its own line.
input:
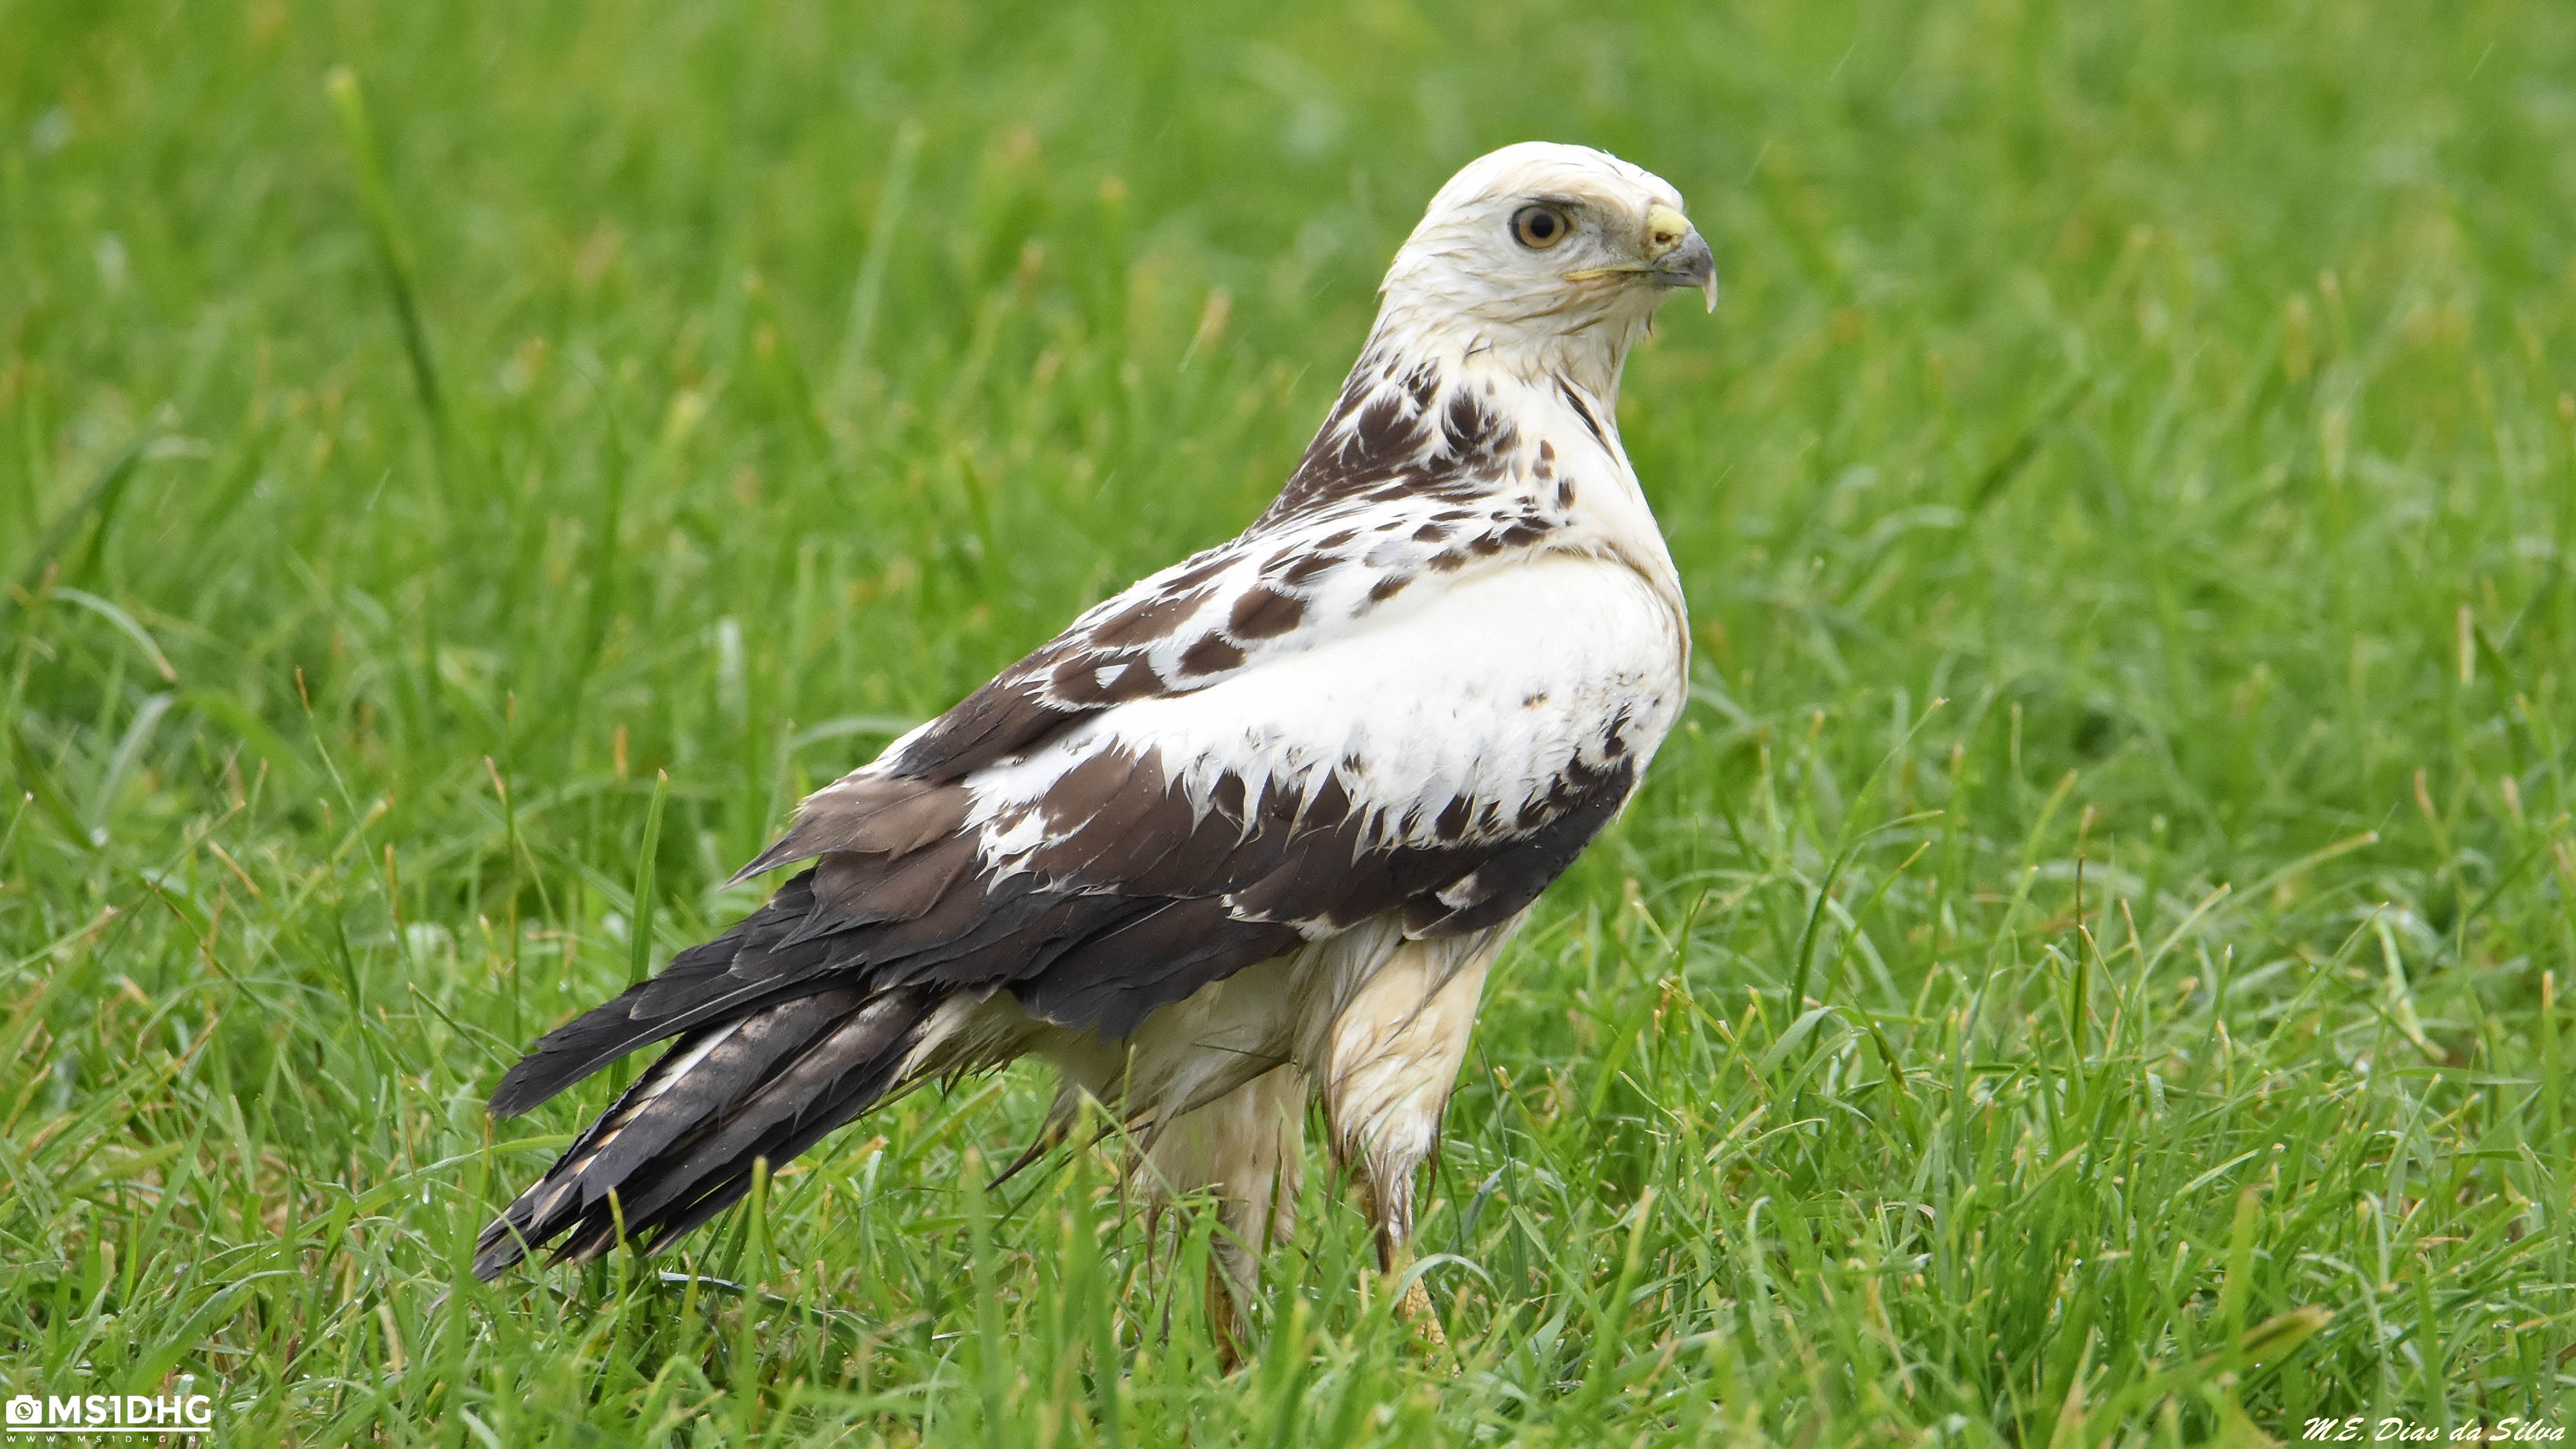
(1589, 350)
(1442, 413)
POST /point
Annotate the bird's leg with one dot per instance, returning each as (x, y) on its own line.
(1388, 1201)
(1390, 1060)
(1226, 1312)
(1245, 1147)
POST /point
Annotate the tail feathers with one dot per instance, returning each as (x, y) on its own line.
(680, 1146)
(724, 979)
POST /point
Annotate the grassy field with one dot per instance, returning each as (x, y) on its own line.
(2091, 965)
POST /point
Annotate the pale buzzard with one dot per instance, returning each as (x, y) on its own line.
(1255, 828)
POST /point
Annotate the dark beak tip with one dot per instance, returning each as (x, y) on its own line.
(1693, 266)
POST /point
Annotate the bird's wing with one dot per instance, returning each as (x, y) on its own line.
(1395, 706)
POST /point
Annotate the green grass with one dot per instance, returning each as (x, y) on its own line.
(2091, 965)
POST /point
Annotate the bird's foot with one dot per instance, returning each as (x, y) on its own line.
(1416, 1310)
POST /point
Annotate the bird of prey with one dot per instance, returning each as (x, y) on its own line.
(1253, 830)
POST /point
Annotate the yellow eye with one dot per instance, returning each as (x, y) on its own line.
(1539, 227)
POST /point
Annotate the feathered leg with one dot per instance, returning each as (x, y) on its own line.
(1247, 1148)
(1388, 1064)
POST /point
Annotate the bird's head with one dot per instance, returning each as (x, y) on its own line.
(1542, 258)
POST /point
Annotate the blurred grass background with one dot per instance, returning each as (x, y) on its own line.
(2089, 967)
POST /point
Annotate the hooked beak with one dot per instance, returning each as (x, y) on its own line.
(1681, 255)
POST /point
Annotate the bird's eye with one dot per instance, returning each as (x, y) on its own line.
(1539, 227)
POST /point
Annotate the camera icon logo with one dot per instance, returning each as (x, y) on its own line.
(26, 1409)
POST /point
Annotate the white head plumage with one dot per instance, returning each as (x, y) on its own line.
(1542, 258)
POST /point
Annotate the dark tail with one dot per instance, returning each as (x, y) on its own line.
(778, 1043)
(679, 1147)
